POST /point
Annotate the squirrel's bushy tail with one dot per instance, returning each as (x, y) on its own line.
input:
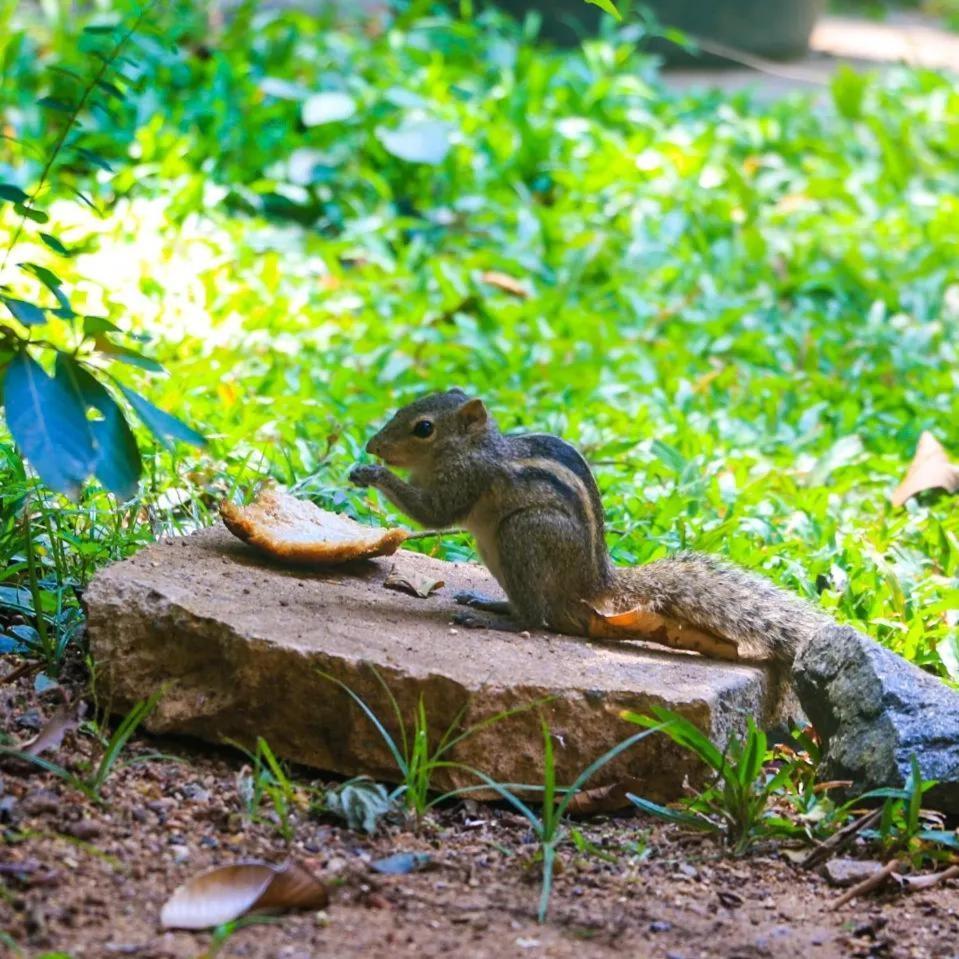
(764, 620)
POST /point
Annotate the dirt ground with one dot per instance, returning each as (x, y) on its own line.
(89, 880)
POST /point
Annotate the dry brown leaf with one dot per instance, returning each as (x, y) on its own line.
(930, 469)
(50, 738)
(640, 623)
(414, 583)
(506, 283)
(603, 799)
(297, 531)
(228, 892)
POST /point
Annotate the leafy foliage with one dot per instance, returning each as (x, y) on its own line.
(756, 795)
(548, 825)
(416, 756)
(48, 415)
(361, 803)
(907, 830)
(269, 781)
(737, 805)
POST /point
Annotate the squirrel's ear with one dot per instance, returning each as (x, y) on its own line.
(473, 414)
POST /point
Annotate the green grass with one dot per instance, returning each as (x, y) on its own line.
(744, 314)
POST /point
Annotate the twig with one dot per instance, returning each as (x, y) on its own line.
(757, 63)
(425, 533)
(21, 670)
(913, 883)
(839, 840)
(867, 885)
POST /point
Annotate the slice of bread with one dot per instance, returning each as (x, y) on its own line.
(296, 531)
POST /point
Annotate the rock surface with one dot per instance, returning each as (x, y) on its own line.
(874, 710)
(239, 643)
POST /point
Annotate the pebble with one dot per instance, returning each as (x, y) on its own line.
(83, 829)
(31, 719)
(180, 853)
(41, 801)
(196, 792)
(847, 872)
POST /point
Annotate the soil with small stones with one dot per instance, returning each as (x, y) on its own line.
(89, 879)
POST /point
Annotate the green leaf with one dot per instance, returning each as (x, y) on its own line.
(100, 29)
(163, 426)
(66, 72)
(607, 6)
(282, 89)
(54, 244)
(118, 466)
(328, 107)
(97, 325)
(47, 277)
(54, 284)
(12, 193)
(94, 159)
(948, 650)
(31, 213)
(361, 803)
(683, 732)
(83, 198)
(54, 103)
(29, 314)
(422, 141)
(677, 816)
(848, 90)
(127, 355)
(111, 89)
(46, 418)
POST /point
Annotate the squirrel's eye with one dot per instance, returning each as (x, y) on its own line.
(423, 429)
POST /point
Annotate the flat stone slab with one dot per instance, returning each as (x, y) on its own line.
(239, 644)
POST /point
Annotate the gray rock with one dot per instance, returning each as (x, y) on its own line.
(874, 711)
(238, 643)
(847, 872)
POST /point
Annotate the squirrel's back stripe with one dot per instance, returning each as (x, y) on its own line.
(571, 489)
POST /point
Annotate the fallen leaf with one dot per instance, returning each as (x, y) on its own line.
(930, 469)
(641, 623)
(50, 738)
(228, 892)
(506, 283)
(414, 583)
(600, 799)
(401, 863)
(729, 899)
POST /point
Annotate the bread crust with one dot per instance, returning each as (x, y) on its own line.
(298, 532)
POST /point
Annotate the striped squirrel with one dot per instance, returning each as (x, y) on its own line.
(533, 506)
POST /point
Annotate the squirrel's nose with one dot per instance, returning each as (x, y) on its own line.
(373, 447)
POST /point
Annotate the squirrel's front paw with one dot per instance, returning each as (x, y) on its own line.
(366, 475)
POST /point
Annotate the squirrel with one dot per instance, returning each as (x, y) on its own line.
(534, 509)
